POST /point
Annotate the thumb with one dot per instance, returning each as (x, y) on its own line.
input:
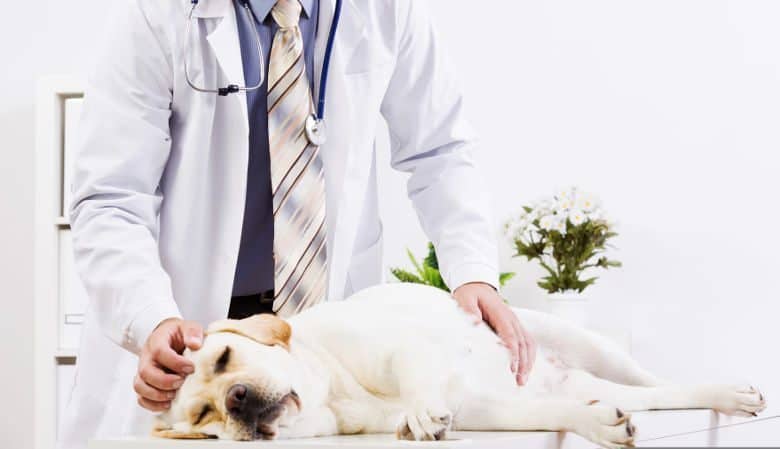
(193, 334)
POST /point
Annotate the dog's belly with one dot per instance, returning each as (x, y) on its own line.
(484, 369)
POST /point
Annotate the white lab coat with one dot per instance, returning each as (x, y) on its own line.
(160, 177)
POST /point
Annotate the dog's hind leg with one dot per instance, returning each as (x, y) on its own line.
(580, 348)
(732, 400)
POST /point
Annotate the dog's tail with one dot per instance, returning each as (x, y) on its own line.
(583, 349)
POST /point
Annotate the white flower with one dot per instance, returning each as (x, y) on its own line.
(548, 222)
(542, 206)
(560, 224)
(587, 203)
(577, 217)
(569, 193)
(563, 204)
(595, 214)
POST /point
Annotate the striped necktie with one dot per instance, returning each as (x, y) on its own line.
(297, 182)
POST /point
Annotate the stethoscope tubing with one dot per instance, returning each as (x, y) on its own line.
(230, 88)
(234, 88)
(334, 26)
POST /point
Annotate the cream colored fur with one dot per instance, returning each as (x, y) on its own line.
(404, 358)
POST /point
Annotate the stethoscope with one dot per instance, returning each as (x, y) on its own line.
(315, 123)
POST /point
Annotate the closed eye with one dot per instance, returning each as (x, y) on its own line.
(205, 411)
(222, 361)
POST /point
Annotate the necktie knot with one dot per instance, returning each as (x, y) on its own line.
(287, 13)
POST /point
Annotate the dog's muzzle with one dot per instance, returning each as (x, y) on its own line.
(258, 413)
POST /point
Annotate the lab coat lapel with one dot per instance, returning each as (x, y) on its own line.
(227, 47)
(342, 180)
(208, 9)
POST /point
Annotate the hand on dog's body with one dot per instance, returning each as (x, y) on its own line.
(484, 303)
(161, 367)
(405, 358)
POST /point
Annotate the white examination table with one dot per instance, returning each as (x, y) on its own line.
(667, 428)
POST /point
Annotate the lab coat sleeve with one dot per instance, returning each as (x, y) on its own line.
(124, 144)
(432, 141)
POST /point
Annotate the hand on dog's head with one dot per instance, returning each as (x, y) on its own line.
(242, 387)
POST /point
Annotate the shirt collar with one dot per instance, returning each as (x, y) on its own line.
(262, 8)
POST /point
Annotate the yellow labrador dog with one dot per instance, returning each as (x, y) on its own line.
(405, 358)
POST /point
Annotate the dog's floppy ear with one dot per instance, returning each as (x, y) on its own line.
(264, 328)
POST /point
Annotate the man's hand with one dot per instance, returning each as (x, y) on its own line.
(482, 301)
(161, 368)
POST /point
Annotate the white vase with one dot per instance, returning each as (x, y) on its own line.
(571, 306)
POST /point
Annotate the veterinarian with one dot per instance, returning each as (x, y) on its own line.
(211, 181)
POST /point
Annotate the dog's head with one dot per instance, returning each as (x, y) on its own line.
(242, 387)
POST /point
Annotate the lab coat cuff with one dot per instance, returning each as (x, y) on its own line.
(146, 321)
(472, 272)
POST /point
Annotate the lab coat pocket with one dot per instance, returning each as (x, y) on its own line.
(366, 267)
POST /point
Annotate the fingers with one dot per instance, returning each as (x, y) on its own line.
(530, 346)
(166, 357)
(150, 393)
(523, 352)
(164, 350)
(193, 334)
(162, 369)
(151, 398)
(506, 332)
(154, 375)
(152, 405)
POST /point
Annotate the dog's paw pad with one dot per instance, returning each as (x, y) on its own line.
(607, 414)
(424, 426)
(745, 401)
(608, 427)
(444, 419)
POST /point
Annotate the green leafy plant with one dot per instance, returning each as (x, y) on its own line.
(567, 236)
(427, 271)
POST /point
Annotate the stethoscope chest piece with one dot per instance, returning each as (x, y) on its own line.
(315, 130)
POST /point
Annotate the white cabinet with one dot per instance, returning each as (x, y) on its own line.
(72, 296)
(71, 127)
(60, 298)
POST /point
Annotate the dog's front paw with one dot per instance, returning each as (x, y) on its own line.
(739, 401)
(606, 426)
(424, 424)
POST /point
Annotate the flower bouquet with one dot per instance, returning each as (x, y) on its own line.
(568, 235)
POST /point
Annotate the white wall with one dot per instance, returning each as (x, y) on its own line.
(668, 110)
(37, 38)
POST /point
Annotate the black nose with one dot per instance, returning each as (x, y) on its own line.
(236, 399)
